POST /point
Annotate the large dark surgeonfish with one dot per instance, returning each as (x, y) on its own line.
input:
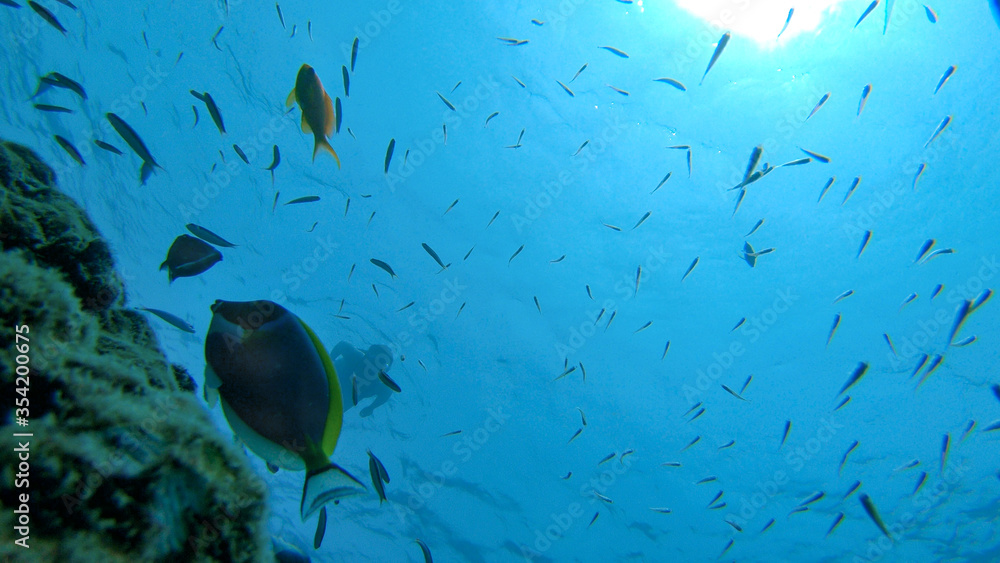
(280, 393)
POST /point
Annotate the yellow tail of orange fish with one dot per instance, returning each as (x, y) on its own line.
(321, 143)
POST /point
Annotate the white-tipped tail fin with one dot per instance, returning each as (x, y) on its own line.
(326, 484)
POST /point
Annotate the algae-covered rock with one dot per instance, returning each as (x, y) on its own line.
(123, 463)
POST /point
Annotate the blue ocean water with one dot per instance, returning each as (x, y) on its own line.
(482, 348)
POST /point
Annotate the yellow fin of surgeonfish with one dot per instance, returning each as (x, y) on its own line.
(290, 101)
(330, 116)
(335, 413)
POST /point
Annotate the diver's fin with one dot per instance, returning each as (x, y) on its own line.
(328, 483)
(321, 143)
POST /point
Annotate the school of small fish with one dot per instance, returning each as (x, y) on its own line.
(701, 463)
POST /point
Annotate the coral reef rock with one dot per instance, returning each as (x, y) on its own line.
(123, 463)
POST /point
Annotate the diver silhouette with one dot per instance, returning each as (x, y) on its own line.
(363, 367)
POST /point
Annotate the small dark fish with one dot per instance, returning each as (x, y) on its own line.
(728, 444)
(189, 256)
(850, 491)
(787, 21)
(208, 236)
(945, 442)
(836, 522)
(281, 18)
(384, 266)
(665, 349)
(537, 306)
(446, 102)
(376, 478)
(589, 294)
(426, 551)
(642, 220)
(728, 545)
(866, 501)
(557, 260)
(944, 78)
(354, 53)
(521, 84)
(449, 207)
(768, 525)
(693, 442)
(62, 81)
(924, 249)
(174, 320)
(735, 526)
(566, 88)
(731, 392)
(568, 475)
(856, 375)
(723, 41)
(313, 226)
(216, 36)
(47, 16)
(663, 181)
(844, 401)
(133, 140)
(351, 272)
(575, 435)
(594, 519)
(384, 378)
(303, 199)
(585, 143)
(467, 254)
(240, 153)
(869, 10)
(516, 252)
(754, 229)
(920, 364)
(865, 92)
(708, 479)
(107, 147)
(582, 68)
(452, 433)
(920, 483)
(937, 290)
(931, 14)
(320, 529)
(691, 267)
(964, 310)
(618, 52)
(612, 227)
(338, 113)
(388, 154)
(865, 239)
(675, 83)
(826, 188)
(433, 255)
(739, 324)
(538, 22)
(784, 436)
(817, 156)
(819, 105)
(70, 149)
(213, 109)
(843, 460)
(940, 129)
(52, 109)
(347, 81)
(619, 90)
(888, 341)
(491, 116)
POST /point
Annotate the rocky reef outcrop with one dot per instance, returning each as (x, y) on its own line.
(123, 463)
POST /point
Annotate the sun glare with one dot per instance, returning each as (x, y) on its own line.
(762, 20)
